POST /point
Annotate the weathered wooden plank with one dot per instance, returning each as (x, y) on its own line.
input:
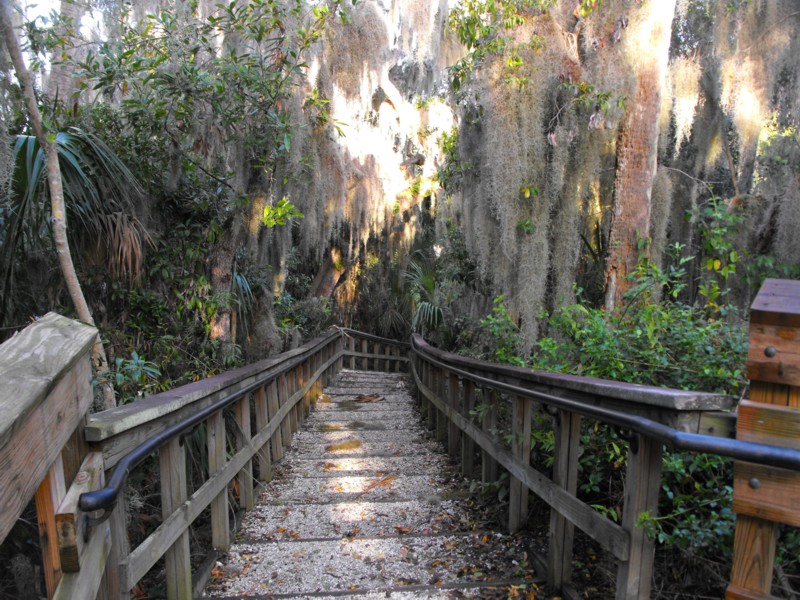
(245, 478)
(467, 446)
(774, 354)
(754, 546)
(32, 363)
(351, 347)
(69, 518)
(522, 413)
(776, 303)
(36, 442)
(609, 535)
(273, 404)
(453, 432)
(262, 419)
(220, 527)
(48, 497)
(172, 460)
(489, 468)
(769, 493)
(112, 584)
(86, 583)
(283, 399)
(642, 485)
(652, 402)
(565, 475)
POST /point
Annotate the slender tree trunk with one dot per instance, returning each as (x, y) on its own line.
(58, 211)
(637, 147)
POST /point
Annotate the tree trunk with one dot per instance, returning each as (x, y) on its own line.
(637, 146)
(54, 183)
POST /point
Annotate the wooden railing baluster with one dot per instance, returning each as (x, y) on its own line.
(567, 433)
(243, 437)
(642, 485)
(489, 467)
(522, 412)
(262, 420)
(467, 445)
(273, 406)
(172, 461)
(453, 432)
(220, 528)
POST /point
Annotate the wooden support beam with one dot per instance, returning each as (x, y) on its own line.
(283, 398)
(522, 413)
(174, 490)
(48, 496)
(262, 419)
(439, 384)
(764, 495)
(273, 406)
(467, 445)
(220, 527)
(243, 437)
(69, 518)
(453, 432)
(489, 469)
(642, 484)
(351, 345)
(565, 475)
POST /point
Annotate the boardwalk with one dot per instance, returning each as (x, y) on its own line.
(366, 505)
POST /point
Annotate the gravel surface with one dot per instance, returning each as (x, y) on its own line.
(366, 505)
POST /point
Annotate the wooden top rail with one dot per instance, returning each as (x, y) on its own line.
(121, 429)
(42, 369)
(677, 408)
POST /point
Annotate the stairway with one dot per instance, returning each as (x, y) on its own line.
(366, 505)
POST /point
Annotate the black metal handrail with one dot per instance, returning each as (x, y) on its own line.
(753, 452)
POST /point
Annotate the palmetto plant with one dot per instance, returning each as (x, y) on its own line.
(99, 191)
(421, 277)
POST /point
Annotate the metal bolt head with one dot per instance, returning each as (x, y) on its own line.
(754, 483)
(770, 351)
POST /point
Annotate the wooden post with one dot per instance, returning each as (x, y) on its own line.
(364, 350)
(764, 496)
(565, 475)
(273, 406)
(283, 398)
(220, 528)
(48, 496)
(439, 384)
(172, 460)
(113, 587)
(291, 383)
(262, 420)
(522, 412)
(351, 346)
(244, 435)
(453, 432)
(467, 445)
(642, 485)
(489, 466)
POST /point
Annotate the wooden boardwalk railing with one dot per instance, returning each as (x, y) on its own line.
(52, 356)
(248, 416)
(450, 387)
